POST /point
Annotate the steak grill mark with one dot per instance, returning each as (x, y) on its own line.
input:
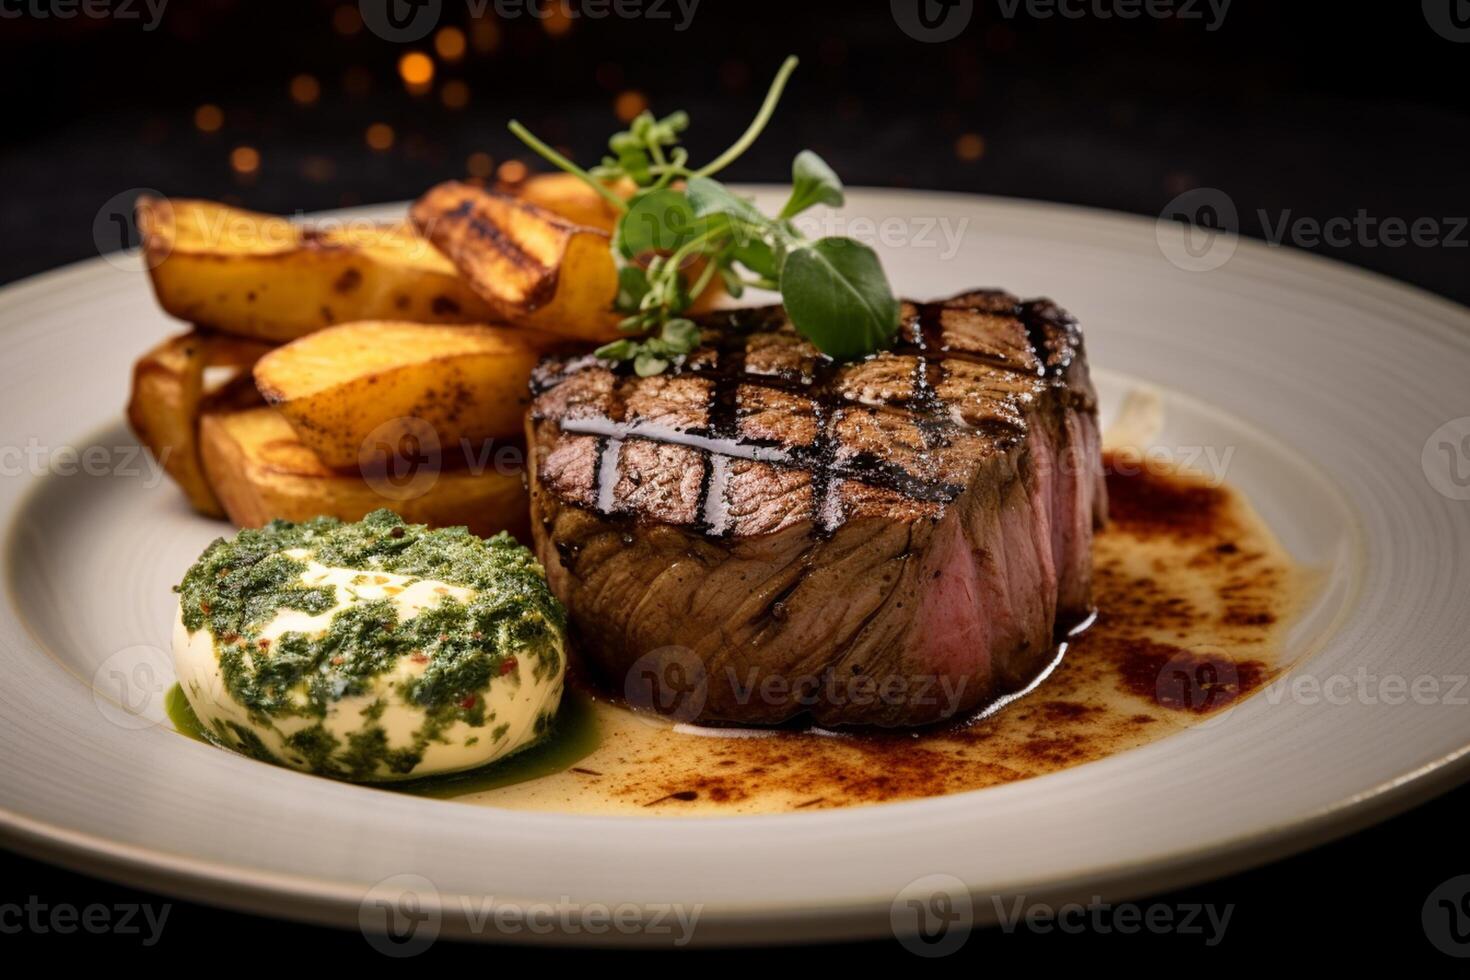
(920, 336)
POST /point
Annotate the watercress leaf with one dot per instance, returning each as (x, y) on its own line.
(624, 142)
(632, 287)
(733, 283)
(838, 298)
(635, 164)
(676, 298)
(646, 365)
(656, 221)
(708, 197)
(812, 182)
(757, 255)
(618, 350)
(672, 125)
(681, 335)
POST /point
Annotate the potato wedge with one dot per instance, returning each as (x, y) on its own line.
(569, 197)
(262, 276)
(169, 384)
(261, 471)
(341, 386)
(540, 255)
(535, 269)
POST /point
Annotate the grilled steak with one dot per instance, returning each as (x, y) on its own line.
(889, 542)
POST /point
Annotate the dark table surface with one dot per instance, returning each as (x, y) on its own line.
(1299, 115)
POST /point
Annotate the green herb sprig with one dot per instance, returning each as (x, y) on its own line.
(681, 228)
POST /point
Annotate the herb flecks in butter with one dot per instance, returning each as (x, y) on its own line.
(239, 585)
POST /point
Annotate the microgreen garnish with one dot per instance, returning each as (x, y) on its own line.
(681, 228)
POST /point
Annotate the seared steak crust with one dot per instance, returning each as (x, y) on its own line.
(893, 541)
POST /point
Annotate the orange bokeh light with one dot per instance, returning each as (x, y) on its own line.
(557, 21)
(485, 35)
(379, 136)
(970, 147)
(346, 20)
(305, 89)
(450, 43)
(455, 94)
(480, 165)
(629, 104)
(209, 118)
(416, 69)
(245, 160)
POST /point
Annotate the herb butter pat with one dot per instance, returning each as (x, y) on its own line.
(370, 651)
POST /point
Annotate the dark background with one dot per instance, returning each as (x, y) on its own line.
(1319, 110)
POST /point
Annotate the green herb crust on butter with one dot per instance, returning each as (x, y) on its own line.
(490, 620)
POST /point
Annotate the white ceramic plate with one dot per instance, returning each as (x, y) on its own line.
(1341, 398)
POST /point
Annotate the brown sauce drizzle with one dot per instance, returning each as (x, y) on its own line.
(1142, 504)
(1185, 680)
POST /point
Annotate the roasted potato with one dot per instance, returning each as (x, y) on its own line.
(169, 384)
(534, 268)
(530, 259)
(343, 385)
(261, 471)
(569, 197)
(256, 275)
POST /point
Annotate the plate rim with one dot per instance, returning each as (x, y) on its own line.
(323, 902)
